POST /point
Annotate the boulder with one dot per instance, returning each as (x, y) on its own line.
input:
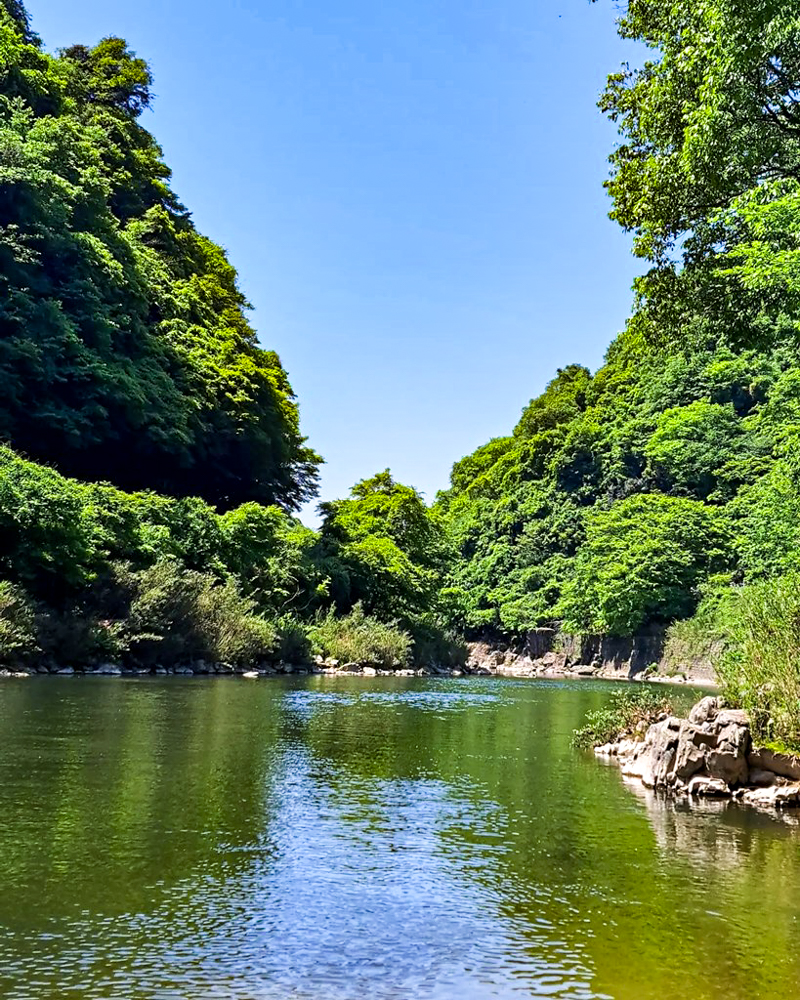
(728, 766)
(762, 779)
(660, 750)
(704, 711)
(689, 759)
(636, 767)
(109, 670)
(690, 755)
(776, 797)
(728, 760)
(627, 748)
(703, 785)
(779, 763)
(733, 716)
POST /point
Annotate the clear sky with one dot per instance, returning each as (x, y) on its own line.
(412, 194)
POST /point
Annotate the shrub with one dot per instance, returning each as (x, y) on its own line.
(163, 613)
(77, 638)
(627, 709)
(358, 638)
(293, 643)
(178, 615)
(228, 628)
(761, 669)
(17, 625)
(435, 645)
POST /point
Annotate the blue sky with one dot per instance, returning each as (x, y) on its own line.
(411, 192)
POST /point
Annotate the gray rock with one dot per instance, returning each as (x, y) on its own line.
(109, 670)
(704, 711)
(733, 716)
(703, 785)
(762, 779)
(779, 763)
(727, 766)
(777, 796)
(690, 755)
(66, 672)
(734, 737)
(661, 744)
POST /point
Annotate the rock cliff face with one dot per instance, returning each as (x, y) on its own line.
(546, 653)
(710, 754)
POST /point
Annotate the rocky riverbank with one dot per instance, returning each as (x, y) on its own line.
(201, 668)
(534, 659)
(709, 755)
(548, 654)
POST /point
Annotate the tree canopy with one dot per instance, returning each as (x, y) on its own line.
(125, 349)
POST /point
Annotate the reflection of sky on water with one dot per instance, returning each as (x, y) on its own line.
(356, 891)
(308, 702)
(332, 840)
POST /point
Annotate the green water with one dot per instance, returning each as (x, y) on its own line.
(345, 838)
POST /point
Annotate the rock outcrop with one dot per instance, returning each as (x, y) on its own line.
(710, 754)
(544, 652)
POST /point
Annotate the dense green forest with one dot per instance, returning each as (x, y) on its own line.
(125, 352)
(667, 484)
(661, 491)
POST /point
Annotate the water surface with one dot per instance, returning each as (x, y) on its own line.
(334, 839)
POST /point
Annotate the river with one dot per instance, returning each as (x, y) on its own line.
(339, 838)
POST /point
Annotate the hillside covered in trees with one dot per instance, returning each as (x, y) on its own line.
(125, 351)
(153, 454)
(669, 480)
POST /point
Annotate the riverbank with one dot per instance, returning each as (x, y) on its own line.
(483, 660)
(548, 654)
(710, 754)
(203, 669)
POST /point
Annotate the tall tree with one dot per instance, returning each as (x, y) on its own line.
(715, 112)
